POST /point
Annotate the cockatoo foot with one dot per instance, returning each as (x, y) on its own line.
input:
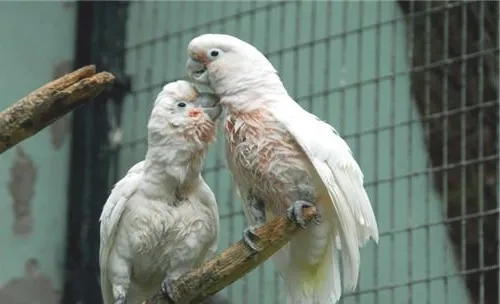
(249, 237)
(166, 289)
(295, 213)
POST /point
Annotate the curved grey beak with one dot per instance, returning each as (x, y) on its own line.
(210, 105)
(195, 70)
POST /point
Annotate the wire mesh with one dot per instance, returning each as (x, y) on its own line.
(412, 86)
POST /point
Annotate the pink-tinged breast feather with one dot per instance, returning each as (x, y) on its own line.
(261, 153)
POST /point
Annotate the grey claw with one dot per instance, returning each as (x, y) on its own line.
(317, 219)
(249, 237)
(295, 213)
(166, 289)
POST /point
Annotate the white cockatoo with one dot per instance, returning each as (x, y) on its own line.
(283, 158)
(161, 219)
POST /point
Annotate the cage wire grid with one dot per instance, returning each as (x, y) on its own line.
(413, 88)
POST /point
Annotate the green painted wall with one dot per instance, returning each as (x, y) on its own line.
(36, 45)
(359, 83)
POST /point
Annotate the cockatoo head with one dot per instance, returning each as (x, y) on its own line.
(228, 65)
(183, 115)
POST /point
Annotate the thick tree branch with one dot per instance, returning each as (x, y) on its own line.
(48, 103)
(231, 264)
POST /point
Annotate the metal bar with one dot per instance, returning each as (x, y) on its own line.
(137, 69)
(498, 171)
(445, 145)
(79, 168)
(311, 80)
(89, 170)
(392, 200)
(359, 97)
(376, 110)
(427, 131)
(410, 161)
(463, 140)
(328, 47)
(343, 53)
(481, 196)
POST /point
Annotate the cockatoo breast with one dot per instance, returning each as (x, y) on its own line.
(167, 240)
(265, 159)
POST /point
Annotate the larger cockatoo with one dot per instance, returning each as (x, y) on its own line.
(283, 158)
(161, 219)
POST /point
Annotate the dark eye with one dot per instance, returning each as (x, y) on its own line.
(214, 53)
(181, 105)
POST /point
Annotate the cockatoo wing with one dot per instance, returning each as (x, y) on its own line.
(110, 217)
(341, 176)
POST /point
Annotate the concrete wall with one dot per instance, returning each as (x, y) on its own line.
(36, 45)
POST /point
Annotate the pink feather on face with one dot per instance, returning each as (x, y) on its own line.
(200, 128)
(202, 57)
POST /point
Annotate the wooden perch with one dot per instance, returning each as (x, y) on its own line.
(231, 264)
(48, 103)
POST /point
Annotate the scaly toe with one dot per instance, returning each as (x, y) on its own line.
(318, 219)
(295, 213)
(249, 238)
(166, 289)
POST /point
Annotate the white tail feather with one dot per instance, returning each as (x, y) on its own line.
(317, 285)
(358, 202)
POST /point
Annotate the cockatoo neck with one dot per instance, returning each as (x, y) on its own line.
(249, 93)
(172, 170)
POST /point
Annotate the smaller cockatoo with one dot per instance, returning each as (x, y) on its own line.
(161, 219)
(283, 158)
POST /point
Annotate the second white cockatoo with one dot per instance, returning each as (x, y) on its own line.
(283, 158)
(161, 219)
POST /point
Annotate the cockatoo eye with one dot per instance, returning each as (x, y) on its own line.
(181, 104)
(214, 53)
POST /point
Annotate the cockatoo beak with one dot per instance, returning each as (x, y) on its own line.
(196, 71)
(209, 103)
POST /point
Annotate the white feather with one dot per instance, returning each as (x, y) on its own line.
(109, 219)
(161, 219)
(156, 238)
(342, 177)
(249, 85)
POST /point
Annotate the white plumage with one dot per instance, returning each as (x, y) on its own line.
(282, 157)
(161, 219)
(342, 178)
